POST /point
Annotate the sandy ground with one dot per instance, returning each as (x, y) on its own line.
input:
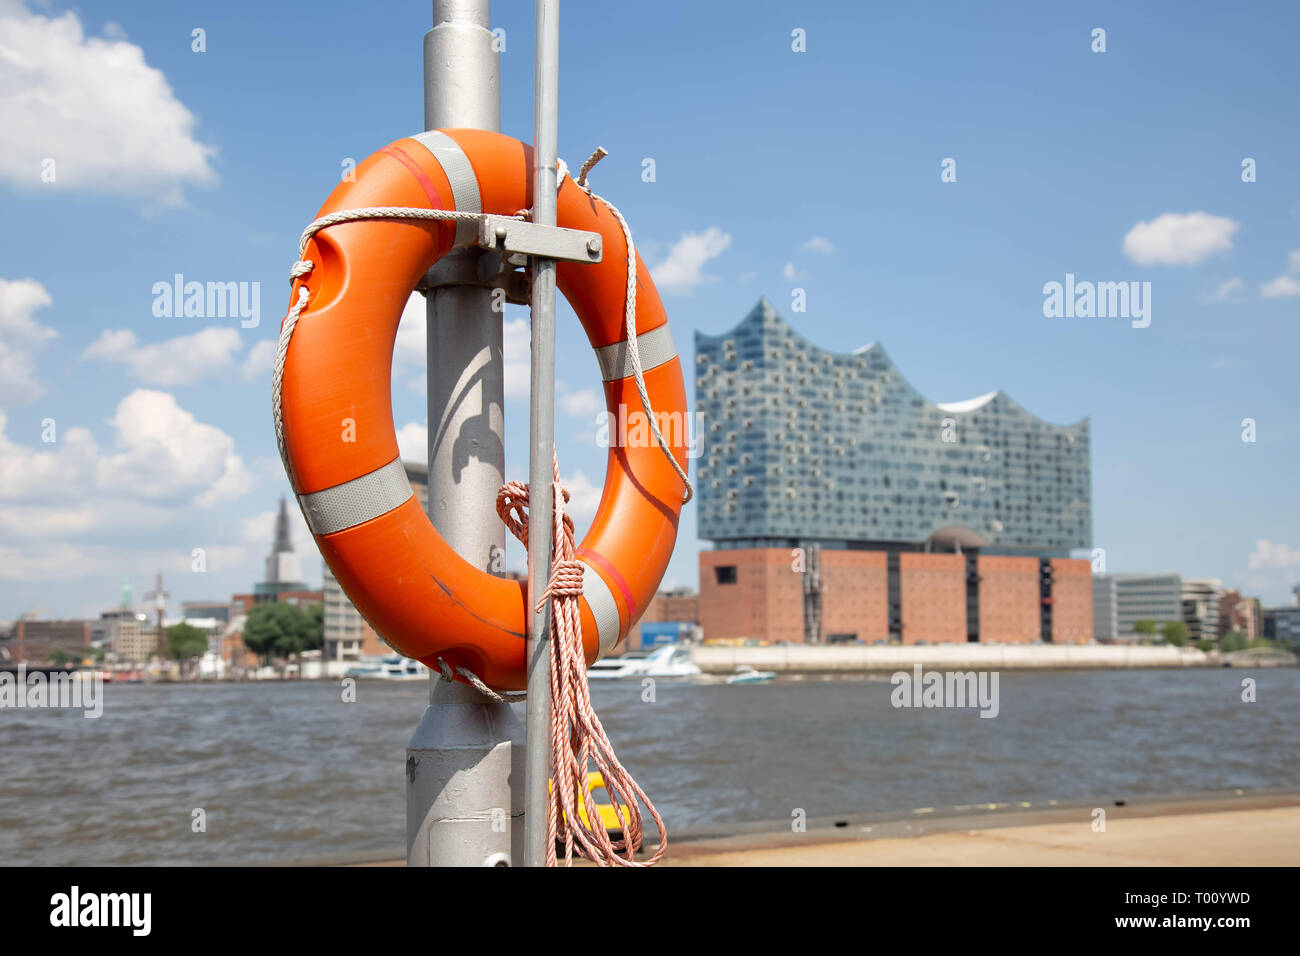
(1226, 828)
(1231, 837)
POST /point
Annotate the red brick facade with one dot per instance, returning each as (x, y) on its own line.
(1071, 601)
(932, 589)
(1010, 605)
(756, 594)
(763, 603)
(855, 595)
(664, 606)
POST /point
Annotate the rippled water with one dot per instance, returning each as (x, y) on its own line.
(289, 771)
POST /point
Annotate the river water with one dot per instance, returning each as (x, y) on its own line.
(289, 771)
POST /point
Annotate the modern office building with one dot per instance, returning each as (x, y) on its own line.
(1121, 600)
(1201, 609)
(1283, 623)
(844, 505)
(206, 610)
(135, 638)
(347, 635)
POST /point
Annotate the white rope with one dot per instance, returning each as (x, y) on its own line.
(501, 697)
(304, 267)
(629, 314)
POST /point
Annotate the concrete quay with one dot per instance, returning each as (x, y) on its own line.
(1238, 828)
(847, 659)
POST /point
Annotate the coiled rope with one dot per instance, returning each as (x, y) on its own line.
(577, 737)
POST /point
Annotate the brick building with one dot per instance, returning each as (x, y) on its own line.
(1241, 614)
(679, 605)
(845, 506)
(37, 642)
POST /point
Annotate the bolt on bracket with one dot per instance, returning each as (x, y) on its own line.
(517, 239)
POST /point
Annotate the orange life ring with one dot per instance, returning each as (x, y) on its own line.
(424, 599)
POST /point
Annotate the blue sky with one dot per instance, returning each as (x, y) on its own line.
(775, 170)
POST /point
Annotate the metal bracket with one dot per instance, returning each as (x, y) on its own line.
(507, 245)
(517, 239)
(488, 270)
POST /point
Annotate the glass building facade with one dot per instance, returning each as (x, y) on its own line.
(801, 444)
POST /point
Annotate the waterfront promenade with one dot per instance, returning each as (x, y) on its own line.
(1234, 828)
(1207, 830)
(884, 658)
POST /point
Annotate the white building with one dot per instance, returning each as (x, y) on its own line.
(1201, 609)
(1119, 601)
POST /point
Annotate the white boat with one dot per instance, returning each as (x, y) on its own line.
(670, 660)
(747, 675)
(392, 667)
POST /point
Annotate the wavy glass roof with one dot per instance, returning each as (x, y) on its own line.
(803, 443)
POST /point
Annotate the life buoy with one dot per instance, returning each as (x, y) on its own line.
(407, 582)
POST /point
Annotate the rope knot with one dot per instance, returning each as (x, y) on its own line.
(566, 581)
(512, 508)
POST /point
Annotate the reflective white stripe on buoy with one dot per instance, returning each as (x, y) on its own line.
(359, 500)
(655, 348)
(603, 608)
(464, 184)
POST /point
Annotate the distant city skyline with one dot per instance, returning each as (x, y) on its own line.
(936, 176)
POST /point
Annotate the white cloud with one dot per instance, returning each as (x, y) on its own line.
(79, 510)
(1282, 287)
(164, 452)
(1268, 556)
(583, 403)
(1272, 570)
(584, 497)
(1179, 239)
(260, 360)
(108, 120)
(1226, 289)
(179, 361)
(1287, 284)
(410, 346)
(682, 271)
(162, 456)
(791, 274)
(21, 337)
(517, 350)
(819, 244)
(413, 442)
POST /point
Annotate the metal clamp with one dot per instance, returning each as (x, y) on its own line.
(487, 270)
(517, 239)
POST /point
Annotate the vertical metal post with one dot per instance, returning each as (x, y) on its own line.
(541, 433)
(464, 764)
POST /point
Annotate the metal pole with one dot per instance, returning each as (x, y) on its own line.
(541, 433)
(464, 762)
